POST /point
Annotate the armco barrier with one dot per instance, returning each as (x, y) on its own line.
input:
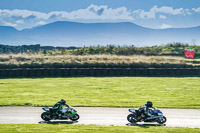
(66, 72)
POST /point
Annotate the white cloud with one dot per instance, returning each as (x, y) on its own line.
(168, 10)
(102, 12)
(151, 14)
(91, 12)
(10, 24)
(24, 14)
(196, 9)
(165, 26)
(20, 21)
(95, 12)
(162, 17)
(41, 23)
(187, 12)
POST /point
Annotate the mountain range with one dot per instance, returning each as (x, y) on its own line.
(64, 33)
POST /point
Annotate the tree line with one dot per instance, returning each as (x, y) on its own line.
(36, 48)
(171, 49)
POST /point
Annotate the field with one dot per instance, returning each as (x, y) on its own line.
(167, 92)
(61, 128)
(60, 61)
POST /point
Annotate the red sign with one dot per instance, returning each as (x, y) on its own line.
(189, 53)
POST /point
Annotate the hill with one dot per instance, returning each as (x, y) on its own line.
(63, 33)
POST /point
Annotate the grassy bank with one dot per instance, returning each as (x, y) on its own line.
(60, 61)
(44, 128)
(165, 92)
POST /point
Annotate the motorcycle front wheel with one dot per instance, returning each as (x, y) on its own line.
(75, 117)
(162, 120)
(132, 118)
(45, 116)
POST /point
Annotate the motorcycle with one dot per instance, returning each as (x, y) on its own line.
(67, 113)
(156, 116)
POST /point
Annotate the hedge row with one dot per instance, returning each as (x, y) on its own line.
(65, 72)
(98, 65)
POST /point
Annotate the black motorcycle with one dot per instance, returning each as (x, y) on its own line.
(156, 116)
(67, 113)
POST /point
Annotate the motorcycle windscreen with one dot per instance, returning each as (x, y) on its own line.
(46, 108)
(132, 110)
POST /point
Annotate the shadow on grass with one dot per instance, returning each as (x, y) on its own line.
(58, 122)
(145, 125)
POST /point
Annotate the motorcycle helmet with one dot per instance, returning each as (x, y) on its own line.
(63, 101)
(149, 104)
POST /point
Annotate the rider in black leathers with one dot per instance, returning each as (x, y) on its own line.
(144, 110)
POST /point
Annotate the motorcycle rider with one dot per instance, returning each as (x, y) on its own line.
(58, 107)
(144, 110)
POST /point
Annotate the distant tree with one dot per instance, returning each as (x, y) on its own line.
(63, 51)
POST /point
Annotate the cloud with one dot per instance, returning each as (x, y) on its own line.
(92, 13)
(162, 17)
(20, 21)
(23, 14)
(144, 15)
(151, 14)
(169, 10)
(196, 9)
(10, 24)
(165, 26)
(41, 23)
(95, 12)
(97, 9)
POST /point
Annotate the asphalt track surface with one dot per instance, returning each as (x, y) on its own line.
(99, 116)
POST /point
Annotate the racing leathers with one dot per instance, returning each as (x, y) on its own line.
(144, 111)
(58, 108)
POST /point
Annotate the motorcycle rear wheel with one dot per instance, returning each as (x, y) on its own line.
(75, 117)
(45, 116)
(132, 118)
(162, 120)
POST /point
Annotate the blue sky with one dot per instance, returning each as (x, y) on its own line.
(156, 14)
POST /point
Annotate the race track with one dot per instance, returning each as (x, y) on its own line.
(100, 116)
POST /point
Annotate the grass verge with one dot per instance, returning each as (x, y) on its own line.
(61, 128)
(63, 61)
(167, 92)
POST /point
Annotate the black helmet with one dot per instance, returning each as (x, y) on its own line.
(63, 101)
(149, 104)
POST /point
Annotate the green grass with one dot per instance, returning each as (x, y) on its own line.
(168, 92)
(61, 128)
